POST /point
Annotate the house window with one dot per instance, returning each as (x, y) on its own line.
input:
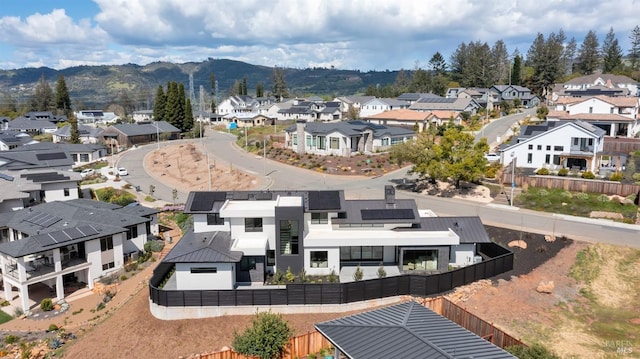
(66, 192)
(247, 264)
(530, 147)
(198, 270)
(319, 259)
(385, 141)
(84, 157)
(558, 148)
(539, 147)
(322, 143)
(108, 265)
(590, 142)
(363, 253)
(334, 143)
(75, 157)
(214, 219)
(309, 141)
(132, 232)
(547, 158)
(294, 139)
(556, 160)
(106, 244)
(253, 224)
(288, 237)
(548, 148)
(319, 218)
(590, 109)
(575, 141)
(529, 157)
(271, 257)
(396, 140)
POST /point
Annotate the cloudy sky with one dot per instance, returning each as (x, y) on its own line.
(347, 34)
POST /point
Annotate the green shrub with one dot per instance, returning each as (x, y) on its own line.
(588, 175)
(123, 277)
(532, 352)
(382, 273)
(46, 304)
(582, 196)
(563, 172)
(289, 275)
(567, 195)
(153, 246)
(616, 176)
(52, 328)
(358, 274)
(131, 266)
(543, 171)
(266, 338)
(11, 339)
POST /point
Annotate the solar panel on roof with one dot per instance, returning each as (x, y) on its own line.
(6, 177)
(44, 177)
(66, 235)
(324, 200)
(203, 201)
(390, 213)
(51, 156)
(42, 219)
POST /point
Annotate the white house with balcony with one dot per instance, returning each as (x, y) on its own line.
(242, 237)
(555, 145)
(56, 244)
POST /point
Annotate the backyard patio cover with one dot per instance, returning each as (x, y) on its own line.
(407, 330)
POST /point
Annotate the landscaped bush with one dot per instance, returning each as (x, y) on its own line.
(153, 246)
(543, 171)
(46, 304)
(588, 175)
(52, 328)
(563, 172)
(616, 176)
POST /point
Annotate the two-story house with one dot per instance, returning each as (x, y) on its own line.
(598, 84)
(380, 105)
(618, 116)
(57, 243)
(429, 104)
(555, 145)
(20, 189)
(243, 236)
(511, 92)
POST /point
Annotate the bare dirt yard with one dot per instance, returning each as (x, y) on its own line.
(184, 166)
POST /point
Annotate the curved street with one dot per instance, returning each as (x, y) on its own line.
(221, 148)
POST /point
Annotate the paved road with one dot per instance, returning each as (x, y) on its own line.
(499, 129)
(275, 175)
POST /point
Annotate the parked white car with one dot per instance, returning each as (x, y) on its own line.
(492, 157)
(87, 172)
(122, 171)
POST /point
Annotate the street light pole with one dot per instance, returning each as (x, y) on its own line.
(158, 135)
(264, 156)
(513, 171)
(246, 137)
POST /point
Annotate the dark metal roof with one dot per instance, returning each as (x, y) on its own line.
(209, 247)
(407, 330)
(324, 200)
(358, 212)
(146, 128)
(353, 128)
(469, 229)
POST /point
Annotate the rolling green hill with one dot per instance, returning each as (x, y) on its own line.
(99, 86)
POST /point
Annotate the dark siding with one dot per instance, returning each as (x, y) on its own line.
(294, 261)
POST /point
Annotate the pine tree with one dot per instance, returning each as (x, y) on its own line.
(279, 88)
(159, 105)
(259, 90)
(634, 51)
(589, 54)
(212, 80)
(63, 101)
(244, 86)
(74, 135)
(437, 63)
(402, 82)
(611, 53)
(173, 104)
(569, 55)
(500, 60)
(187, 124)
(516, 71)
(43, 99)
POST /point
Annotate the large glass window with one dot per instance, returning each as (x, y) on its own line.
(132, 232)
(271, 257)
(319, 218)
(288, 237)
(214, 219)
(322, 142)
(247, 264)
(364, 253)
(319, 259)
(420, 259)
(334, 143)
(106, 244)
(253, 224)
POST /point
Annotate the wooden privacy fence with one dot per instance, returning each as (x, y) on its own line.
(471, 322)
(572, 184)
(298, 347)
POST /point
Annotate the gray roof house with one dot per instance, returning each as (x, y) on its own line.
(428, 104)
(20, 189)
(128, 135)
(32, 127)
(71, 241)
(54, 159)
(511, 92)
(81, 153)
(407, 330)
(344, 138)
(87, 134)
(12, 139)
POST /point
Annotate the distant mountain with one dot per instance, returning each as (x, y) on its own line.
(99, 86)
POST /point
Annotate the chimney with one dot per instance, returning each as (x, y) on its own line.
(389, 194)
(300, 125)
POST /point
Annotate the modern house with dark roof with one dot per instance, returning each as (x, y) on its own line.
(429, 104)
(20, 189)
(54, 159)
(81, 154)
(511, 92)
(344, 138)
(87, 134)
(555, 145)
(379, 105)
(242, 236)
(407, 330)
(57, 243)
(598, 84)
(129, 135)
(32, 127)
(12, 139)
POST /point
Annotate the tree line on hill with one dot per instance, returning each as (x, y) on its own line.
(549, 60)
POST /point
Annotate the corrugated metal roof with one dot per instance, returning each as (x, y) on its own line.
(469, 229)
(407, 330)
(209, 247)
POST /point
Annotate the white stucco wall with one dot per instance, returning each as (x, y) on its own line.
(137, 243)
(94, 256)
(462, 254)
(333, 261)
(224, 278)
(55, 191)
